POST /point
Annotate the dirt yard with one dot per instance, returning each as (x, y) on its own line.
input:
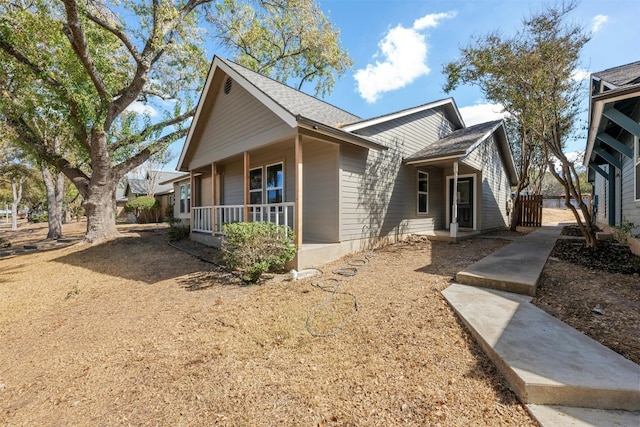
(135, 332)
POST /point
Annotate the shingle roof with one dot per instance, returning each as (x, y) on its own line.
(139, 186)
(295, 101)
(456, 143)
(622, 75)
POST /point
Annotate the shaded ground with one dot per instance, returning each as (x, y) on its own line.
(134, 332)
(596, 291)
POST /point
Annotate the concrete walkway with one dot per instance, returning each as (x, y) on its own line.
(516, 267)
(563, 377)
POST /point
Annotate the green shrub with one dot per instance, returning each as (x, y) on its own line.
(142, 207)
(256, 247)
(178, 232)
(42, 217)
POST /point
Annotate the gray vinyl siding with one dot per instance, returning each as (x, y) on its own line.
(233, 183)
(320, 197)
(493, 188)
(205, 191)
(353, 161)
(412, 132)
(630, 208)
(379, 192)
(238, 122)
(601, 190)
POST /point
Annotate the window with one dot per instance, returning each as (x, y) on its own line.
(185, 198)
(423, 192)
(255, 186)
(275, 183)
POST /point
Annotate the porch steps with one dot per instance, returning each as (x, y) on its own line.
(516, 267)
(547, 362)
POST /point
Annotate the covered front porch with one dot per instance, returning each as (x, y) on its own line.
(266, 184)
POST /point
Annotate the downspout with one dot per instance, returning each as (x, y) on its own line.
(453, 227)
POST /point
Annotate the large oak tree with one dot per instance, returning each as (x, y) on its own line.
(87, 65)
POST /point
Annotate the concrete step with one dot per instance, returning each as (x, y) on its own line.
(516, 267)
(545, 361)
(566, 416)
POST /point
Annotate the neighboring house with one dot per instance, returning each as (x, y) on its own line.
(158, 183)
(258, 150)
(613, 147)
(181, 185)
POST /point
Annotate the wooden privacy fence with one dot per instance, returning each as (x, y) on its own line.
(530, 211)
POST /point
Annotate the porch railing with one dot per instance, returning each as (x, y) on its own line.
(201, 218)
(277, 213)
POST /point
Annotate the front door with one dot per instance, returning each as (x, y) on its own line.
(465, 201)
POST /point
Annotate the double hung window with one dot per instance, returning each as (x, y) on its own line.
(423, 192)
(266, 185)
(185, 198)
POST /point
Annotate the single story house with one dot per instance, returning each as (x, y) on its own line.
(613, 146)
(258, 150)
(156, 182)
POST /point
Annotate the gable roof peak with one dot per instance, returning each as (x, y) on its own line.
(448, 104)
(294, 101)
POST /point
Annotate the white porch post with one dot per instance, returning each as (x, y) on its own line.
(297, 220)
(453, 227)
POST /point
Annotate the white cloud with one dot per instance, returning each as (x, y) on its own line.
(404, 58)
(598, 21)
(480, 113)
(432, 20)
(140, 108)
(580, 74)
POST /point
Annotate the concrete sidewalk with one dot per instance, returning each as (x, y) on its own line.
(563, 377)
(516, 267)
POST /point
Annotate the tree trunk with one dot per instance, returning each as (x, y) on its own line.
(568, 179)
(16, 190)
(100, 202)
(101, 218)
(55, 194)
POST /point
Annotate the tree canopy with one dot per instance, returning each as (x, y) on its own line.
(531, 75)
(89, 74)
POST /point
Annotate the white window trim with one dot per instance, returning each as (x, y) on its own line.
(476, 202)
(187, 198)
(418, 192)
(266, 184)
(262, 184)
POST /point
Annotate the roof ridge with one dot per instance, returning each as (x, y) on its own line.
(284, 85)
(617, 67)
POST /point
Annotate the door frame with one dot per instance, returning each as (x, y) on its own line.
(474, 205)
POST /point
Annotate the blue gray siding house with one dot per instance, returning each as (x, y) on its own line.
(258, 150)
(613, 149)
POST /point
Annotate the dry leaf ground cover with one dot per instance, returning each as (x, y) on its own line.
(134, 332)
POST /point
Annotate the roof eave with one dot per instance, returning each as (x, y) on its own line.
(323, 129)
(432, 159)
(596, 108)
(448, 103)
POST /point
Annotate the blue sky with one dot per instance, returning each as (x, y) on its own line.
(399, 48)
